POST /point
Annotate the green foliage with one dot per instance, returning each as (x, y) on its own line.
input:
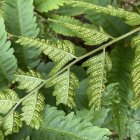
(135, 72)
(1, 136)
(32, 108)
(65, 85)
(12, 123)
(48, 5)
(20, 20)
(60, 52)
(121, 74)
(72, 27)
(8, 98)
(98, 67)
(59, 126)
(8, 62)
(28, 80)
(131, 18)
(69, 70)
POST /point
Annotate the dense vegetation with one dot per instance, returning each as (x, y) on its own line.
(69, 70)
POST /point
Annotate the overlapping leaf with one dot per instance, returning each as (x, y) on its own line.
(58, 126)
(12, 123)
(32, 110)
(135, 72)
(28, 80)
(8, 62)
(61, 52)
(65, 85)
(71, 27)
(20, 21)
(8, 98)
(120, 74)
(130, 17)
(97, 70)
(48, 5)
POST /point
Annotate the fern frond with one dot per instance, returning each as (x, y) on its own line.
(28, 80)
(48, 5)
(130, 17)
(20, 21)
(60, 52)
(135, 72)
(71, 27)
(120, 73)
(8, 98)
(12, 123)
(65, 85)
(32, 109)
(97, 69)
(1, 136)
(58, 126)
(8, 62)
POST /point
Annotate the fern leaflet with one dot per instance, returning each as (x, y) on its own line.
(28, 80)
(8, 98)
(48, 5)
(135, 72)
(8, 62)
(12, 123)
(130, 17)
(60, 52)
(32, 108)
(70, 127)
(72, 27)
(20, 20)
(65, 85)
(120, 73)
(98, 67)
(1, 136)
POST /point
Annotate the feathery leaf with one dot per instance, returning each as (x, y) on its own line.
(8, 62)
(32, 109)
(71, 27)
(135, 72)
(8, 98)
(98, 67)
(58, 126)
(120, 73)
(65, 85)
(61, 52)
(48, 5)
(12, 123)
(130, 17)
(20, 21)
(28, 80)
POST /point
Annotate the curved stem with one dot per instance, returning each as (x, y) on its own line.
(71, 64)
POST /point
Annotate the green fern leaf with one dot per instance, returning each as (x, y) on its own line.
(120, 73)
(130, 17)
(12, 123)
(8, 98)
(48, 5)
(135, 72)
(60, 52)
(98, 67)
(65, 85)
(8, 63)
(28, 80)
(72, 27)
(27, 138)
(20, 21)
(32, 108)
(58, 126)
(1, 136)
